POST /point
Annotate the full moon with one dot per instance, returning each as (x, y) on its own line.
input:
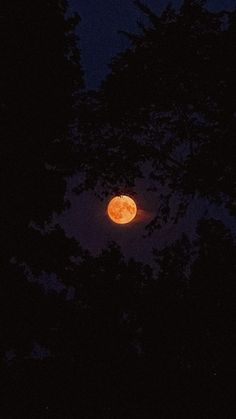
(122, 209)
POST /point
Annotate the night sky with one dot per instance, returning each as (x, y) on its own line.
(86, 219)
(100, 22)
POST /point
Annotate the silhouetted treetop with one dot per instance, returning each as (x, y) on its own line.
(40, 77)
(41, 73)
(169, 100)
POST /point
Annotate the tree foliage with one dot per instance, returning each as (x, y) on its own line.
(121, 340)
(40, 76)
(169, 101)
(132, 340)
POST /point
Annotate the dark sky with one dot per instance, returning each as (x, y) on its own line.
(86, 219)
(102, 19)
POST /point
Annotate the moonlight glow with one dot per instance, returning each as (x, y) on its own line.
(122, 209)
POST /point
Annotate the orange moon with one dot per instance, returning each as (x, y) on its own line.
(122, 209)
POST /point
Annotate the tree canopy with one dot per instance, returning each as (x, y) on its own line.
(169, 101)
(117, 339)
(40, 77)
(132, 341)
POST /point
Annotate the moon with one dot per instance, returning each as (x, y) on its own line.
(122, 209)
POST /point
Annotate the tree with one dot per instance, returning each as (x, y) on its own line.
(128, 340)
(169, 101)
(93, 344)
(41, 74)
(131, 340)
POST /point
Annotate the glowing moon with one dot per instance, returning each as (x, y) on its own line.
(122, 209)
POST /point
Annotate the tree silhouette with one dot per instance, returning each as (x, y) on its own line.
(169, 100)
(129, 341)
(132, 341)
(41, 74)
